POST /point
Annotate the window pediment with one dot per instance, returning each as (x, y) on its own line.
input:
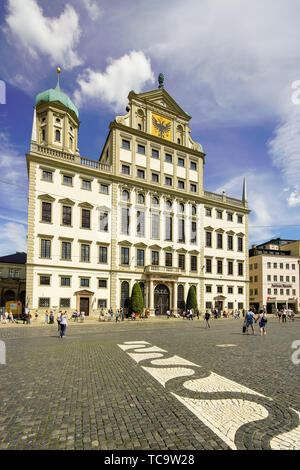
(46, 197)
(230, 232)
(86, 205)
(209, 228)
(67, 201)
(124, 243)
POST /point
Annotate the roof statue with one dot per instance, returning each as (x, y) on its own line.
(161, 80)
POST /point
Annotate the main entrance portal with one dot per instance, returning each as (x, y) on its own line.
(161, 299)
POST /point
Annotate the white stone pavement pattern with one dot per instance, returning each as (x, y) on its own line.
(223, 416)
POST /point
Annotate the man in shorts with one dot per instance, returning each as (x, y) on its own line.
(250, 321)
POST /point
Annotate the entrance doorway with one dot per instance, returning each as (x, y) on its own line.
(219, 305)
(161, 299)
(85, 305)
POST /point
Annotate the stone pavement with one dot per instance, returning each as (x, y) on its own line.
(161, 384)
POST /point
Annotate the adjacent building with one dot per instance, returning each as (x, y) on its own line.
(13, 278)
(139, 214)
(274, 275)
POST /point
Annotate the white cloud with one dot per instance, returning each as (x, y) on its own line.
(93, 9)
(56, 37)
(131, 71)
(12, 238)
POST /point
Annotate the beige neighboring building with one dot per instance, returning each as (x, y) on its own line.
(139, 214)
(274, 275)
(13, 278)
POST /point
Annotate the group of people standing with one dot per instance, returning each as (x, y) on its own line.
(284, 314)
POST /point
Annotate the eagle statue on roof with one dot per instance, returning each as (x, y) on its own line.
(161, 127)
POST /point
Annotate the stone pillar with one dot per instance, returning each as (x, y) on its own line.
(151, 297)
(175, 297)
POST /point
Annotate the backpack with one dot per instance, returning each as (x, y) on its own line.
(264, 318)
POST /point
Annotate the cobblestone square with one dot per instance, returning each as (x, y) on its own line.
(154, 384)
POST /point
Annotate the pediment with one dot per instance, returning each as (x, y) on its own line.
(85, 205)
(46, 197)
(124, 243)
(155, 247)
(230, 232)
(140, 245)
(209, 228)
(67, 201)
(160, 98)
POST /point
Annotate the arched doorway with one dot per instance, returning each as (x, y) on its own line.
(125, 296)
(161, 299)
(9, 295)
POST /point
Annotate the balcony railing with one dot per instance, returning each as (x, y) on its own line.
(163, 269)
(58, 154)
(224, 198)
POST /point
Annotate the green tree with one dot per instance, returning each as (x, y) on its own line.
(137, 301)
(191, 301)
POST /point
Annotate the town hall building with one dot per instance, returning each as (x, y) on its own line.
(139, 214)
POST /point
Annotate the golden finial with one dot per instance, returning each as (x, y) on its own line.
(58, 70)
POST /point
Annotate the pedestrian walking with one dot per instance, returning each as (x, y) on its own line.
(81, 317)
(284, 312)
(28, 318)
(279, 316)
(262, 321)
(51, 318)
(36, 315)
(117, 316)
(207, 318)
(63, 325)
(111, 314)
(249, 321)
(168, 314)
(58, 322)
(46, 317)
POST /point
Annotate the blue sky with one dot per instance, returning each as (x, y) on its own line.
(233, 66)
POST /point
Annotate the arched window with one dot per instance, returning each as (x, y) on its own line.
(141, 199)
(169, 205)
(181, 208)
(180, 298)
(57, 136)
(142, 286)
(194, 210)
(125, 195)
(58, 120)
(124, 294)
(154, 201)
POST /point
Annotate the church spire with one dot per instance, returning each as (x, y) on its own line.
(244, 189)
(58, 70)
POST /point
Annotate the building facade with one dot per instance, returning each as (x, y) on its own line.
(139, 214)
(274, 275)
(13, 278)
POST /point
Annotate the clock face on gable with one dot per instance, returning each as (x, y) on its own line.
(161, 127)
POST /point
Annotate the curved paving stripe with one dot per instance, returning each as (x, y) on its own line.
(125, 347)
(224, 417)
(217, 383)
(136, 342)
(151, 349)
(163, 375)
(288, 440)
(141, 357)
(173, 361)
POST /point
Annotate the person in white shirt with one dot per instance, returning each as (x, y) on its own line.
(63, 325)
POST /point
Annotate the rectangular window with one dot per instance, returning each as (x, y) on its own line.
(66, 250)
(140, 227)
(85, 252)
(240, 290)
(275, 291)
(269, 265)
(180, 184)
(229, 242)
(169, 259)
(125, 221)
(281, 291)
(68, 180)
(240, 269)
(181, 261)
(268, 278)
(220, 289)
(168, 158)
(180, 161)
(102, 303)
(103, 221)
(193, 188)
(86, 218)
(155, 153)
(47, 175)
(193, 166)
(219, 266)
(219, 240)
(67, 216)
(140, 255)
(281, 265)
(287, 266)
(230, 268)
(46, 211)
(155, 226)
(104, 188)
(102, 254)
(287, 291)
(45, 280)
(293, 266)
(125, 144)
(219, 215)
(124, 255)
(86, 184)
(208, 239)
(240, 244)
(275, 278)
(208, 212)
(208, 305)
(141, 174)
(84, 282)
(141, 149)
(169, 228)
(240, 219)
(193, 232)
(230, 290)
(275, 265)
(65, 303)
(65, 281)
(125, 170)
(193, 263)
(155, 178)
(208, 265)
(168, 181)
(155, 258)
(45, 248)
(181, 231)
(102, 284)
(208, 289)
(229, 217)
(281, 278)
(230, 305)
(44, 302)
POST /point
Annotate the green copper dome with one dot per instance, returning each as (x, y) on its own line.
(56, 95)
